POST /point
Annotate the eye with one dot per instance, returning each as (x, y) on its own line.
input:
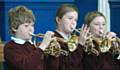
(26, 25)
(70, 18)
(32, 25)
(96, 24)
(28, 21)
(104, 24)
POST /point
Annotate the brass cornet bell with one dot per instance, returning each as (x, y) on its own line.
(73, 43)
(54, 49)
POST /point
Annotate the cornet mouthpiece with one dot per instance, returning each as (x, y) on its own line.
(31, 33)
(37, 35)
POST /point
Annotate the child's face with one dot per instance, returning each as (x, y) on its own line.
(24, 30)
(68, 22)
(98, 26)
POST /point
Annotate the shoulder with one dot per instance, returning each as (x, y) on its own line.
(10, 44)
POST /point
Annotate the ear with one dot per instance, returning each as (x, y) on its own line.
(14, 29)
(58, 20)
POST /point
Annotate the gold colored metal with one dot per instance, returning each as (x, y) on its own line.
(73, 43)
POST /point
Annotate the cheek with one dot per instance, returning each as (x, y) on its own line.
(65, 24)
(104, 28)
(32, 29)
(25, 32)
(21, 31)
(93, 29)
(65, 27)
(75, 24)
(21, 34)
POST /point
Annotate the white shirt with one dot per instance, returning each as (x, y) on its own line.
(20, 41)
(64, 35)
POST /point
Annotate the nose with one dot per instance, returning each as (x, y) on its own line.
(101, 26)
(31, 29)
(74, 22)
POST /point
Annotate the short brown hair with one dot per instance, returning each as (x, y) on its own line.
(17, 16)
(92, 15)
(64, 8)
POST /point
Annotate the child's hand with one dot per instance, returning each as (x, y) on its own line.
(110, 35)
(48, 37)
(84, 34)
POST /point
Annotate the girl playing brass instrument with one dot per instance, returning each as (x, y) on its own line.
(101, 46)
(66, 21)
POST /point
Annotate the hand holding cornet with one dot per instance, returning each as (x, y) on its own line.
(50, 44)
(47, 38)
(84, 34)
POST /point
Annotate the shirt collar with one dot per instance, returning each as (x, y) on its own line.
(20, 41)
(64, 35)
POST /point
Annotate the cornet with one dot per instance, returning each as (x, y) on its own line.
(104, 44)
(54, 48)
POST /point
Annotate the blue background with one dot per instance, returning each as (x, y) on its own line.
(45, 11)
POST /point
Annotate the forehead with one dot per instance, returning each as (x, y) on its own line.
(98, 19)
(28, 23)
(72, 13)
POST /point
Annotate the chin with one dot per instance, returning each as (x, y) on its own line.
(29, 38)
(68, 31)
(98, 35)
(71, 30)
